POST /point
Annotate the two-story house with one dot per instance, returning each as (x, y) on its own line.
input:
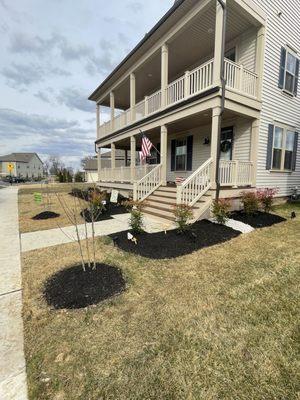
(24, 165)
(216, 122)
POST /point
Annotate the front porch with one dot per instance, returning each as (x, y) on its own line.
(184, 155)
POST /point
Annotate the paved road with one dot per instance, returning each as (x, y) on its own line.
(12, 360)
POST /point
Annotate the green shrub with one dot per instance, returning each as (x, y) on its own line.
(183, 214)
(220, 210)
(136, 214)
(250, 202)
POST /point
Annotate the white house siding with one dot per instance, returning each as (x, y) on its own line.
(201, 151)
(277, 106)
(246, 49)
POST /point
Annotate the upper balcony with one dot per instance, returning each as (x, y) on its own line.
(183, 63)
(199, 80)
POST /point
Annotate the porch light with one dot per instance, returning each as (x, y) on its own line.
(206, 141)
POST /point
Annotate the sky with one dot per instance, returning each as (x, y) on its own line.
(54, 53)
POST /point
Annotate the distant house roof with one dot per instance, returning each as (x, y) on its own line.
(91, 164)
(19, 157)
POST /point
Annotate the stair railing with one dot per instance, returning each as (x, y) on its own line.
(196, 185)
(148, 184)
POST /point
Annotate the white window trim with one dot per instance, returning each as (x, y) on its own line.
(285, 129)
(294, 54)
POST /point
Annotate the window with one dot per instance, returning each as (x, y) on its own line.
(289, 148)
(181, 155)
(283, 148)
(289, 71)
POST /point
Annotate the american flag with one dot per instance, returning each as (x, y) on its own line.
(146, 147)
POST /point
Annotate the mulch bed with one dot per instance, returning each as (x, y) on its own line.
(173, 244)
(110, 209)
(46, 215)
(73, 288)
(258, 220)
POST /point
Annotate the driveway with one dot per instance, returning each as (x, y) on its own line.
(12, 360)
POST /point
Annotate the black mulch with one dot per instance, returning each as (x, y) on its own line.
(110, 209)
(258, 220)
(174, 244)
(46, 215)
(73, 288)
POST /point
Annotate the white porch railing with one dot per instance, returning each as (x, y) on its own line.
(154, 102)
(196, 185)
(235, 173)
(148, 184)
(123, 174)
(201, 78)
(176, 91)
(240, 79)
(191, 83)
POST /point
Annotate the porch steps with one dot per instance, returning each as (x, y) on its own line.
(161, 203)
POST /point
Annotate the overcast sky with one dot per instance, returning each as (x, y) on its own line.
(54, 53)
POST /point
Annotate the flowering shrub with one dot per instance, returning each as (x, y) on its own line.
(183, 214)
(250, 202)
(220, 210)
(266, 198)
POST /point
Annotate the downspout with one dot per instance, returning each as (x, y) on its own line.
(223, 83)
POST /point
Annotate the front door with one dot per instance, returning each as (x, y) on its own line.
(226, 144)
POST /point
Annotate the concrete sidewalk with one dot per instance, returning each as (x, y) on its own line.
(53, 237)
(12, 360)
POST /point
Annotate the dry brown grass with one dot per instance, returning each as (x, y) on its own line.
(221, 323)
(28, 208)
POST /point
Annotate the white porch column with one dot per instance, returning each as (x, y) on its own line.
(132, 157)
(113, 156)
(132, 96)
(112, 109)
(216, 115)
(98, 120)
(260, 52)
(254, 149)
(164, 152)
(99, 163)
(219, 28)
(164, 74)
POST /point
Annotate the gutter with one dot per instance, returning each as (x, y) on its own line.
(177, 4)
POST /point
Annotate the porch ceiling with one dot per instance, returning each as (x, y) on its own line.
(191, 46)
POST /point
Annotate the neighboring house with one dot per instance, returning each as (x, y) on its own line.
(25, 165)
(170, 88)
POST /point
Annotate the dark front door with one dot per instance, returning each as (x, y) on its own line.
(226, 144)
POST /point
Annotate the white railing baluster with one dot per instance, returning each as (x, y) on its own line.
(235, 173)
(148, 184)
(196, 185)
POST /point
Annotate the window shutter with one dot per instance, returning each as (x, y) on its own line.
(295, 151)
(158, 153)
(270, 147)
(282, 68)
(189, 161)
(296, 78)
(173, 153)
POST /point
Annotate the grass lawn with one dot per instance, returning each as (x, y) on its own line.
(28, 208)
(221, 323)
